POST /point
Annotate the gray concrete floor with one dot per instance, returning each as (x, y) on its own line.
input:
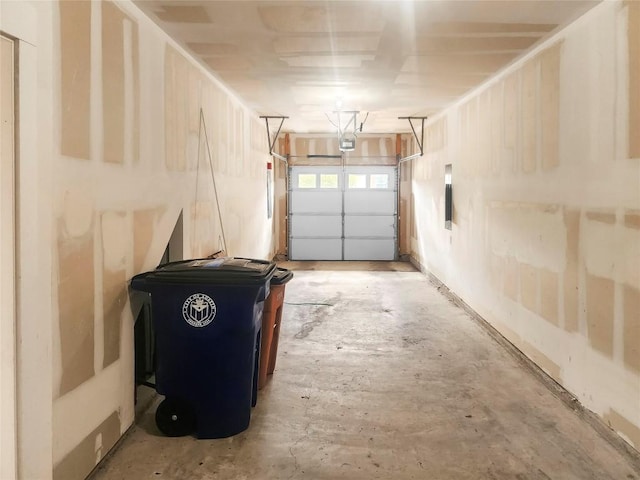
(380, 376)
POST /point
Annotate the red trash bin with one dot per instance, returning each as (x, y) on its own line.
(271, 317)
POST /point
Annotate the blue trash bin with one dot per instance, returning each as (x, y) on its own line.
(207, 316)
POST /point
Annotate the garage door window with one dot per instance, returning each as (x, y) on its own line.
(329, 181)
(379, 181)
(357, 180)
(306, 180)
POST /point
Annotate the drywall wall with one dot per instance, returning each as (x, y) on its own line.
(633, 45)
(126, 137)
(545, 242)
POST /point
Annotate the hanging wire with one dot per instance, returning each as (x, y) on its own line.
(213, 179)
(195, 224)
(331, 121)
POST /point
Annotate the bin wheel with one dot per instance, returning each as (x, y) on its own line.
(175, 418)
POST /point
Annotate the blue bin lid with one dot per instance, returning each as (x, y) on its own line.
(226, 270)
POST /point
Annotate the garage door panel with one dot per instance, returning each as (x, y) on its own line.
(316, 226)
(369, 226)
(316, 201)
(370, 201)
(369, 249)
(316, 249)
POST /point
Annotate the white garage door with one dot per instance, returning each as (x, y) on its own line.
(340, 213)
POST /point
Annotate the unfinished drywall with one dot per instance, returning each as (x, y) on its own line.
(82, 459)
(545, 242)
(114, 252)
(114, 153)
(633, 38)
(120, 85)
(75, 307)
(75, 55)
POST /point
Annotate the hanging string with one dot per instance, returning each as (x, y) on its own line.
(213, 179)
(195, 223)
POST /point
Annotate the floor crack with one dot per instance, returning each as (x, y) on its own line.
(295, 460)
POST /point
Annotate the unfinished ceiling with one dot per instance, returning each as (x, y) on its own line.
(388, 58)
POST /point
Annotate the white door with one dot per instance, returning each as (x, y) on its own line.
(370, 213)
(315, 204)
(338, 213)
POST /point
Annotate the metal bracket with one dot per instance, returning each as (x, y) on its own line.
(350, 117)
(419, 141)
(272, 144)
